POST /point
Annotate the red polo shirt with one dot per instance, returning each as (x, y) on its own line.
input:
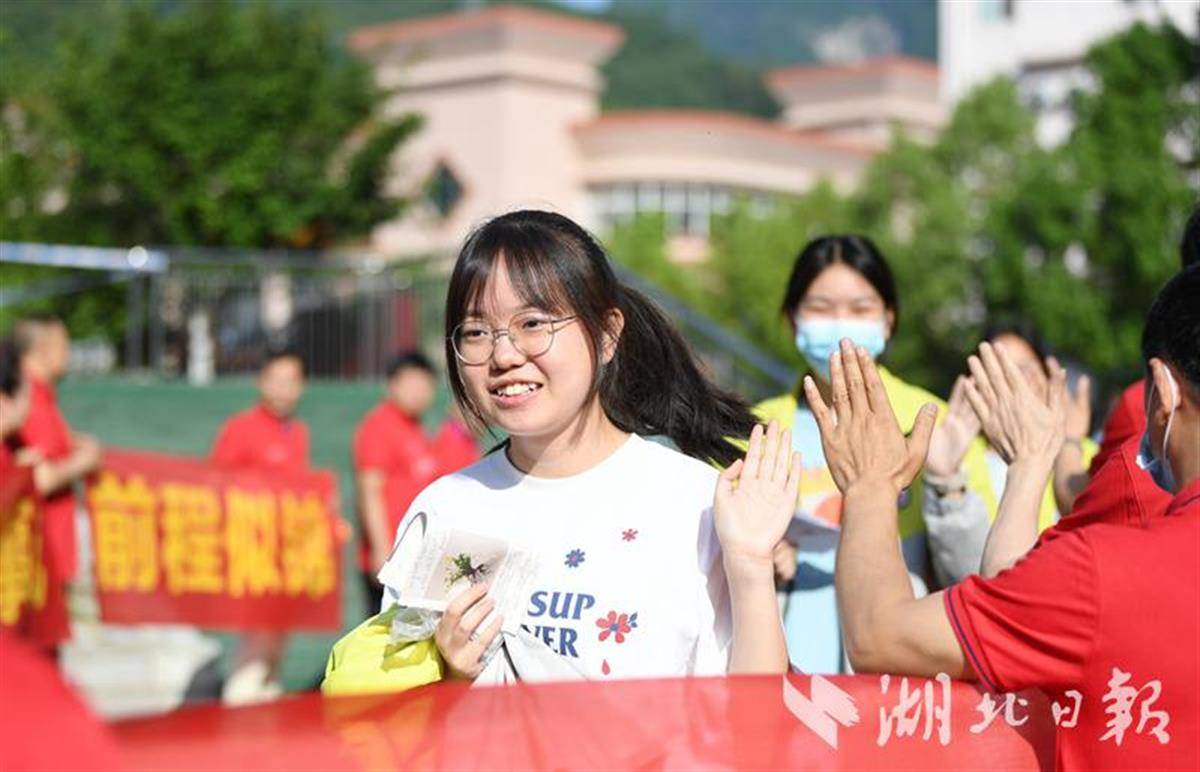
(1119, 492)
(1126, 421)
(257, 439)
(40, 618)
(1108, 611)
(392, 442)
(46, 430)
(454, 447)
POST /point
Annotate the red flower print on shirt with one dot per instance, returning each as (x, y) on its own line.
(629, 534)
(616, 625)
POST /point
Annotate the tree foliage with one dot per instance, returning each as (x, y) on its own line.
(215, 125)
(211, 124)
(986, 223)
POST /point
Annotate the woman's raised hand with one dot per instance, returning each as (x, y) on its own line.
(953, 435)
(756, 497)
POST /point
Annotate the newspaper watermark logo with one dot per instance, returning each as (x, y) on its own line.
(828, 707)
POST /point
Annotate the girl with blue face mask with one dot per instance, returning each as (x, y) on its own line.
(840, 287)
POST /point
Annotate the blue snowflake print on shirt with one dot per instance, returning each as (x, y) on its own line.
(574, 558)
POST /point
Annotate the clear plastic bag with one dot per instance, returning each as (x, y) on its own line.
(413, 624)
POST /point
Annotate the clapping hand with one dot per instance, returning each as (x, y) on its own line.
(1021, 423)
(953, 435)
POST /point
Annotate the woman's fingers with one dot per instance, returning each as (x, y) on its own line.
(464, 600)
(753, 452)
(958, 396)
(795, 470)
(782, 458)
(770, 452)
(470, 620)
(474, 650)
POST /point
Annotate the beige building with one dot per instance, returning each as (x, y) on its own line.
(511, 103)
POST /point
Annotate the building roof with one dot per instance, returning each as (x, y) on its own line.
(444, 25)
(900, 65)
(726, 123)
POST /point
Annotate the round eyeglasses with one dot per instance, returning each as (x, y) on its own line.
(532, 335)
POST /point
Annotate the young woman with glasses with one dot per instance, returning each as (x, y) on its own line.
(651, 562)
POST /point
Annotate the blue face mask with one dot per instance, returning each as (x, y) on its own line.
(1158, 468)
(816, 339)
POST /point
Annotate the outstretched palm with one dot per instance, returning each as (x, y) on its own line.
(756, 496)
(953, 435)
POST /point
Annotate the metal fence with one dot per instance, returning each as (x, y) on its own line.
(203, 313)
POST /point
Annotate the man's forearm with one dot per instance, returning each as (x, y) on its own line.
(870, 572)
(54, 476)
(1016, 527)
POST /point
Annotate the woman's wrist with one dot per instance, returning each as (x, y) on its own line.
(946, 485)
(746, 570)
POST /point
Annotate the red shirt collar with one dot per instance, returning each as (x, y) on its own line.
(269, 416)
(396, 411)
(1188, 498)
(40, 389)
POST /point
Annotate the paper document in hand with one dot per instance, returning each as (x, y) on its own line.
(431, 564)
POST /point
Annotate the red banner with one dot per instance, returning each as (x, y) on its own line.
(180, 540)
(32, 604)
(746, 722)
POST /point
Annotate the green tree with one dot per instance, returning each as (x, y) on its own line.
(985, 223)
(206, 124)
(219, 125)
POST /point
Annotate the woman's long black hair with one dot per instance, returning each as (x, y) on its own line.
(652, 385)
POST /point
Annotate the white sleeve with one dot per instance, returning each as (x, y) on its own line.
(391, 569)
(714, 617)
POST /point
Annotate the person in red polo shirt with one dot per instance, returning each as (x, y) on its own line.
(454, 445)
(265, 438)
(63, 456)
(1104, 618)
(1118, 487)
(394, 460)
(268, 437)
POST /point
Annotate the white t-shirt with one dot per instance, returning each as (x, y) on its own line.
(630, 583)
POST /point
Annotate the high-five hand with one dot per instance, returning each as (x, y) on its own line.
(862, 441)
(756, 496)
(952, 437)
(1021, 423)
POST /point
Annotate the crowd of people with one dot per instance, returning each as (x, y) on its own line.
(857, 523)
(868, 527)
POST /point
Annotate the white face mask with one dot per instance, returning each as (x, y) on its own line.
(1158, 468)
